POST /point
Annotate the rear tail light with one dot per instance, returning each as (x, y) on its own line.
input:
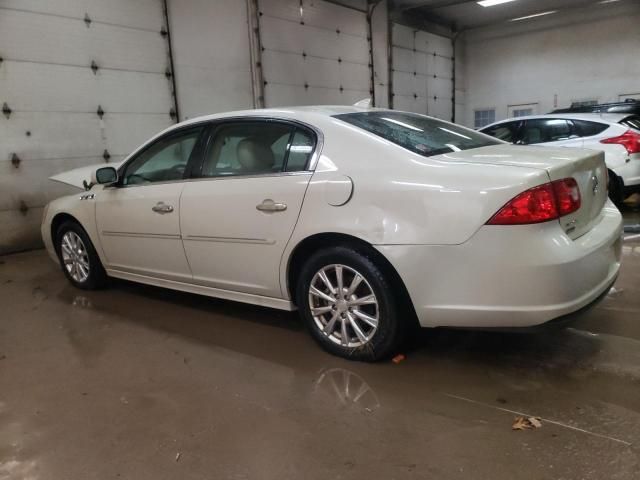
(567, 196)
(540, 204)
(629, 140)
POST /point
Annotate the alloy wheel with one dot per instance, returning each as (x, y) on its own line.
(75, 257)
(343, 305)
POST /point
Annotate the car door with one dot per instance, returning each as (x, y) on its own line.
(239, 212)
(553, 132)
(138, 219)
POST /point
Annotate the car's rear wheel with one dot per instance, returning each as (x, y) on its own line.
(616, 189)
(348, 305)
(80, 262)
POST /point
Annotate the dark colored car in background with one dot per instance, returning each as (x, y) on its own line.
(630, 106)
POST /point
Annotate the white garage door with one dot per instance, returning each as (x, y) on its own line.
(51, 96)
(313, 52)
(422, 72)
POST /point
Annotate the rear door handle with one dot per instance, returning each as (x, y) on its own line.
(269, 205)
(162, 208)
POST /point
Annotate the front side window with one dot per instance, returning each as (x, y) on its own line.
(482, 118)
(506, 132)
(163, 161)
(547, 130)
(257, 148)
(420, 134)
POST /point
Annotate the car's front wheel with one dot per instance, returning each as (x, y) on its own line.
(348, 305)
(80, 262)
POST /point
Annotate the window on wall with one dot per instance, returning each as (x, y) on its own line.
(584, 103)
(482, 118)
(522, 112)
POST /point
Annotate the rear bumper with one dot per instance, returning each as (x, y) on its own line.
(510, 277)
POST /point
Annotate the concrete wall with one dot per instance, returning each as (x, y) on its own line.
(552, 61)
(211, 55)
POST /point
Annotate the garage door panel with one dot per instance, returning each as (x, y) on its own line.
(285, 94)
(318, 52)
(440, 108)
(429, 56)
(285, 36)
(30, 185)
(407, 84)
(50, 39)
(126, 132)
(402, 36)
(429, 42)
(47, 81)
(332, 17)
(146, 14)
(410, 104)
(284, 68)
(72, 89)
(50, 135)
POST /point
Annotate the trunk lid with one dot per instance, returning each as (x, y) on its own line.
(587, 167)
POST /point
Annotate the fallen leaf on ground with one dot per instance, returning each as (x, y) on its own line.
(398, 358)
(522, 423)
(535, 422)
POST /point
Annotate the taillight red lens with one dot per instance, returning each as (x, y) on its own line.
(567, 196)
(629, 140)
(532, 206)
(540, 204)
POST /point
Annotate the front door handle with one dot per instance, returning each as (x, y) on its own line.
(162, 208)
(269, 205)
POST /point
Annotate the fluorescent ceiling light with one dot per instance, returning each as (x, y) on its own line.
(402, 124)
(541, 14)
(491, 3)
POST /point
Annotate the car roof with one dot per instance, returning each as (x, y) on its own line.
(297, 113)
(611, 118)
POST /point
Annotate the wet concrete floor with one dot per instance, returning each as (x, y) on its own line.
(135, 382)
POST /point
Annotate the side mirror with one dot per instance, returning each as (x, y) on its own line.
(105, 176)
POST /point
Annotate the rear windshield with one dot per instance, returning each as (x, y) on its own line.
(422, 135)
(633, 121)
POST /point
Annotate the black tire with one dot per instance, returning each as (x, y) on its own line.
(97, 277)
(390, 328)
(616, 189)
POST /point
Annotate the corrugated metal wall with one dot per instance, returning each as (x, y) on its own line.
(422, 72)
(53, 96)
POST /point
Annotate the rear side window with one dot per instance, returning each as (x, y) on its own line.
(632, 121)
(420, 134)
(504, 131)
(547, 130)
(589, 129)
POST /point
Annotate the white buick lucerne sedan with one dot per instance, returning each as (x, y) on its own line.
(367, 221)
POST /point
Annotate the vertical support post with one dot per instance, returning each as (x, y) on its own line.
(171, 66)
(255, 53)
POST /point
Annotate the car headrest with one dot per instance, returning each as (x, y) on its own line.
(255, 155)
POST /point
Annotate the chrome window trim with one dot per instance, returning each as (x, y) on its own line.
(222, 177)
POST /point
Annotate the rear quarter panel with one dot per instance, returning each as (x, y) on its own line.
(401, 198)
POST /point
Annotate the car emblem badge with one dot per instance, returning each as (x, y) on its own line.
(595, 184)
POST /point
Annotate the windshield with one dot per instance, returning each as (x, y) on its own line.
(418, 133)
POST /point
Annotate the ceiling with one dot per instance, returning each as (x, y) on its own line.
(465, 14)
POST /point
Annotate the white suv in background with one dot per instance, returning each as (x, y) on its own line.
(618, 135)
